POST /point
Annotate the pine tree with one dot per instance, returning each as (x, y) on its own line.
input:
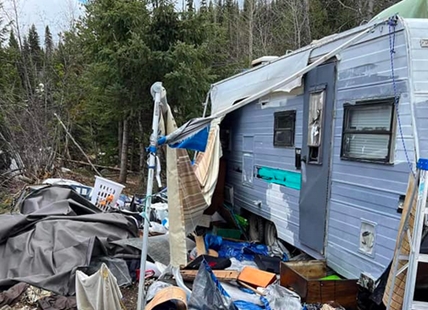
(35, 50)
(49, 46)
(13, 42)
(212, 13)
(34, 40)
(204, 6)
(189, 5)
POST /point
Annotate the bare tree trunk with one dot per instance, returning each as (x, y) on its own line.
(370, 7)
(27, 82)
(142, 148)
(360, 9)
(306, 21)
(131, 148)
(66, 144)
(119, 139)
(250, 31)
(124, 155)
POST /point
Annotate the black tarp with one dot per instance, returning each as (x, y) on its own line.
(59, 232)
(58, 200)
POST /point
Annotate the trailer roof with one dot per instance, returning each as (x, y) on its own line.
(227, 92)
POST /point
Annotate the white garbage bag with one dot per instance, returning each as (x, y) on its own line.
(99, 291)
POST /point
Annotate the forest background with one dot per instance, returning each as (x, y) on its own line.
(96, 75)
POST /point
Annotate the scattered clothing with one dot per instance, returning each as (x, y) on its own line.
(33, 294)
(12, 295)
(56, 302)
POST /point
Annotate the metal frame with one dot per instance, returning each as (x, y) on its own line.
(290, 114)
(347, 107)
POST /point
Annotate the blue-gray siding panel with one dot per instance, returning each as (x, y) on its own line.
(278, 203)
(365, 191)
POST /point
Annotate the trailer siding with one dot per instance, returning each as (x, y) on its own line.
(359, 191)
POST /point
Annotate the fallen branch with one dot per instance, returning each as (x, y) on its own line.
(96, 165)
(9, 172)
(78, 146)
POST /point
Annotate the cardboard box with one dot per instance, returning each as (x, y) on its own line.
(256, 278)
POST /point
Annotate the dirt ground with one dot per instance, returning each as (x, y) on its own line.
(130, 296)
(12, 190)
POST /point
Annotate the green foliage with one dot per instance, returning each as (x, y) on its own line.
(101, 70)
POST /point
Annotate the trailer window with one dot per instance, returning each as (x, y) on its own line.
(368, 131)
(284, 128)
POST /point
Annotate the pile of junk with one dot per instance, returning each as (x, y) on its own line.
(63, 249)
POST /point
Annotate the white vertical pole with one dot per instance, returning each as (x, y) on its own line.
(148, 202)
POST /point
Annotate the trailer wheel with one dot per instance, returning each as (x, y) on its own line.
(270, 233)
(256, 229)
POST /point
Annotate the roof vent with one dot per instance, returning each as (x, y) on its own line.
(263, 60)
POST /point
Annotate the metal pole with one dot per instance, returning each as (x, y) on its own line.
(151, 172)
(203, 115)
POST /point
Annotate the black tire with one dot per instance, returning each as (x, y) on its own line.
(256, 228)
(270, 233)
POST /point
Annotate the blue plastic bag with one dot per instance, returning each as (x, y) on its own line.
(245, 305)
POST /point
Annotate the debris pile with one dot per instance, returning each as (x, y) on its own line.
(61, 251)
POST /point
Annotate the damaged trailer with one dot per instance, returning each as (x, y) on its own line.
(325, 158)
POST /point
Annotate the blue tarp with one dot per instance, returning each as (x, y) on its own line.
(198, 142)
(239, 250)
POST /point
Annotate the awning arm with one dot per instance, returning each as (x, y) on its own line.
(301, 72)
(207, 99)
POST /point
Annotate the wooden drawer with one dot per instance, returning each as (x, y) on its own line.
(304, 279)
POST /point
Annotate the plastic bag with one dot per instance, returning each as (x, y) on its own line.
(174, 272)
(280, 298)
(208, 294)
(117, 267)
(155, 288)
(245, 305)
(156, 228)
(239, 265)
(237, 293)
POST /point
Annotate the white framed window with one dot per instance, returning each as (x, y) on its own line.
(368, 131)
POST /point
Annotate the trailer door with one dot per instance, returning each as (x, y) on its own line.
(316, 151)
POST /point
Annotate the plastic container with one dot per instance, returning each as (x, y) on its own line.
(105, 193)
(226, 232)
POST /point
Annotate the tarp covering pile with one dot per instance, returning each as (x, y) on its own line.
(58, 233)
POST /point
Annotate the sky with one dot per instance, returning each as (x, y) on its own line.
(58, 14)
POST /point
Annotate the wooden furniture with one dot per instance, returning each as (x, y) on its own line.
(304, 278)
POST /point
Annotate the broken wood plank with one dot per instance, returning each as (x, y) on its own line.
(223, 275)
(200, 245)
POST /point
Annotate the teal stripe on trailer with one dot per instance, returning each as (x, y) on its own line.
(285, 178)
